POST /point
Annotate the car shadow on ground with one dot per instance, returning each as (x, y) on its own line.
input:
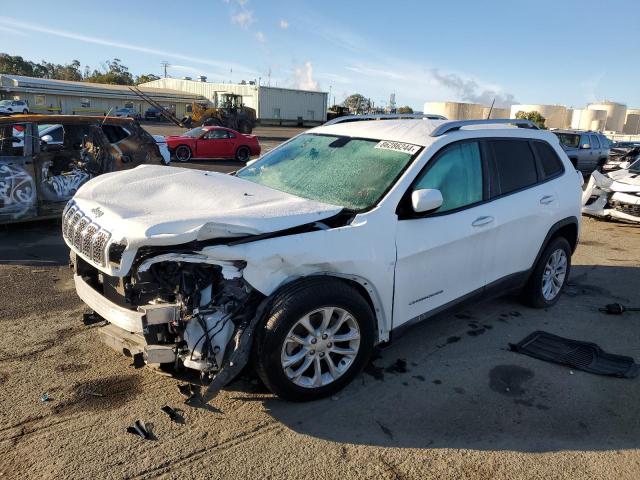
(33, 243)
(452, 382)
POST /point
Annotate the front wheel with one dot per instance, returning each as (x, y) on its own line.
(183, 153)
(550, 275)
(317, 338)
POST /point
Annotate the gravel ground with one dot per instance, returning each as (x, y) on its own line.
(464, 407)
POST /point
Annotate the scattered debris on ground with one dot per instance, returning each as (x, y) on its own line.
(175, 414)
(617, 309)
(399, 366)
(142, 430)
(45, 397)
(585, 356)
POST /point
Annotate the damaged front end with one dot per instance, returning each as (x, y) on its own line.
(177, 310)
(614, 196)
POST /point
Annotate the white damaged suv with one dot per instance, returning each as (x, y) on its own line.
(326, 246)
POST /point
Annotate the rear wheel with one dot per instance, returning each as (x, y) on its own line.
(243, 154)
(317, 338)
(550, 275)
(183, 153)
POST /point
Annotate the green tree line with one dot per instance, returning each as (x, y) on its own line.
(111, 71)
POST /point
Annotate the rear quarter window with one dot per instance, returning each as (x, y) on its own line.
(515, 165)
(549, 160)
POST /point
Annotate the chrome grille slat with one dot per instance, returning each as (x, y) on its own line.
(86, 236)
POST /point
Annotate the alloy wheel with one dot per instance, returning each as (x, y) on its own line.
(554, 274)
(320, 347)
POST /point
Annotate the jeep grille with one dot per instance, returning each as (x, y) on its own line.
(85, 235)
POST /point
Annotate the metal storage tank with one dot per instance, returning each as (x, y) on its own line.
(632, 121)
(496, 112)
(455, 110)
(587, 119)
(555, 115)
(616, 113)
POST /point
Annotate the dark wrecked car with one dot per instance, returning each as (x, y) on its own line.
(44, 159)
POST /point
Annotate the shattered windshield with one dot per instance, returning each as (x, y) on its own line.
(194, 133)
(350, 172)
(569, 139)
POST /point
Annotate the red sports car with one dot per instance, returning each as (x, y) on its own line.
(213, 142)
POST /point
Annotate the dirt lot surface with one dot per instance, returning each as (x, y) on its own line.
(464, 407)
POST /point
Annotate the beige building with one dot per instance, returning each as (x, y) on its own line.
(456, 110)
(272, 104)
(84, 98)
(632, 121)
(588, 119)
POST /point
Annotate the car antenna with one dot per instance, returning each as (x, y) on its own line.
(105, 117)
(491, 108)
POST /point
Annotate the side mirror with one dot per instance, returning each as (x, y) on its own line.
(425, 200)
(585, 146)
(46, 139)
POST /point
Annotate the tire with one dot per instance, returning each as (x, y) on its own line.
(243, 154)
(533, 293)
(183, 153)
(212, 122)
(311, 299)
(25, 111)
(244, 127)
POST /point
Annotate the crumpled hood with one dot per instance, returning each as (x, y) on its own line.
(158, 205)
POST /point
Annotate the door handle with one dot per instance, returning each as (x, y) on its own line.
(480, 221)
(547, 199)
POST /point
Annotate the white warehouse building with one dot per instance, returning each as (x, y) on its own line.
(616, 113)
(556, 116)
(464, 110)
(273, 105)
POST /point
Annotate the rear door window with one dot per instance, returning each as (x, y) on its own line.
(515, 165)
(549, 160)
(595, 143)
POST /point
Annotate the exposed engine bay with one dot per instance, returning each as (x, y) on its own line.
(192, 311)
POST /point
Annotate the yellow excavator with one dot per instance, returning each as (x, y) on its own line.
(230, 113)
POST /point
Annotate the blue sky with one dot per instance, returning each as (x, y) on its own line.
(568, 52)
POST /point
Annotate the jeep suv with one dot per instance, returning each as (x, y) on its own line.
(588, 151)
(327, 245)
(10, 107)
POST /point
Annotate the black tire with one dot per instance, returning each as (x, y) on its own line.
(183, 153)
(289, 306)
(243, 154)
(532, 294)
(244, 127)
(209, 122)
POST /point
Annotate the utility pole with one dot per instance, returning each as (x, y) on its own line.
(165, 64)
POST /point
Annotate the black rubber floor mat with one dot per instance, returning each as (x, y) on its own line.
(579, 355)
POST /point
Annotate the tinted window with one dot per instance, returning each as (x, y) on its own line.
(551, 164)
(584, 140)
(515, 165)
(595, 143)
(457, 173)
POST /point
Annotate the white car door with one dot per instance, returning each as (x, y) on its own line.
(442, 255)
(525, 203)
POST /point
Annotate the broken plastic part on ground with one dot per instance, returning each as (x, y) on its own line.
(615, 195)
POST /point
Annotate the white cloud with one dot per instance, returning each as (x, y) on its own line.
(12, 22)
(260, 37)
(243, 18)
(12, 31)
(284, 24)
(304, 78)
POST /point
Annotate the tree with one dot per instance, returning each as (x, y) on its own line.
(533, 116)
(16, 65)
(405, 109)
(146, 77)
(112, 72)
(357, 103)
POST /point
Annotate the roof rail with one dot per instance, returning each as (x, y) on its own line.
(385, 116)
(458, 124)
